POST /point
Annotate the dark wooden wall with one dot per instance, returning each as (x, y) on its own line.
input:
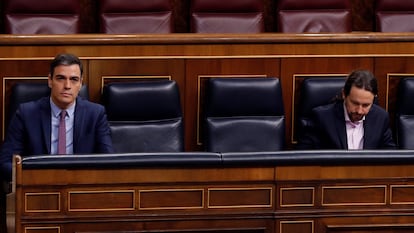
(190, 59)
(362, 11)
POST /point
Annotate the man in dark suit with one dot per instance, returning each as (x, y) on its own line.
(353, 121)
(34, 129)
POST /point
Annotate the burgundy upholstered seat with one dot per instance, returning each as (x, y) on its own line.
(136, 16)
(316, 16)
(42, 17)
(394, 15)
(227, 16)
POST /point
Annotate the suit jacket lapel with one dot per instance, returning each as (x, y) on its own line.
(369, 127)
(340, 125)
(78, 123)
(45, 112)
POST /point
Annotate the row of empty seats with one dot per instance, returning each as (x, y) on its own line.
(239, 115)
(206, 16)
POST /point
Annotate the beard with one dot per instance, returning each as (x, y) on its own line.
(354, 117)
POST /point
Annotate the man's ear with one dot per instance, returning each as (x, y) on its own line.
(343, 94)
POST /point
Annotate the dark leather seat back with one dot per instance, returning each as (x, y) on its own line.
(394, 15)
(25, 92)
(227, 16)
(314, 92)
(244, 114)
(404, 116)
(316, 16)
(136, 16)
(144, 116)
(42, 17)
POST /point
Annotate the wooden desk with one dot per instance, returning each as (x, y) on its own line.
(284, 192)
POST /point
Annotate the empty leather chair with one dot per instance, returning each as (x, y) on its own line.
(25, 91)
(44, 17)
(316, 16)
(394, 15)
(136, 16)
(244, 115)
(144, 116)
(314, 92)
(229, 16)
(404, 117)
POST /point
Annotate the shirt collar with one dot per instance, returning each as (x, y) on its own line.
(56, 110)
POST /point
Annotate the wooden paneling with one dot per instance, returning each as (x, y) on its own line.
(44, 229)
(296, 196)
(240, 197)
(162, 199)
(373, 225)
(338, 198)
(304, 226)
(190, 59)
(354, 195)
(402, 194)
(132, 70)
(42, 202)
(85, 200)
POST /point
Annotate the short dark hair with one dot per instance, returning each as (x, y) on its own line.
(363, 79)
(65, 59)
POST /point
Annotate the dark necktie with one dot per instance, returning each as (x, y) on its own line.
(62, 133)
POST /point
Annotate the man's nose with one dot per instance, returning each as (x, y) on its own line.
(67, 83)
(360, 109)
